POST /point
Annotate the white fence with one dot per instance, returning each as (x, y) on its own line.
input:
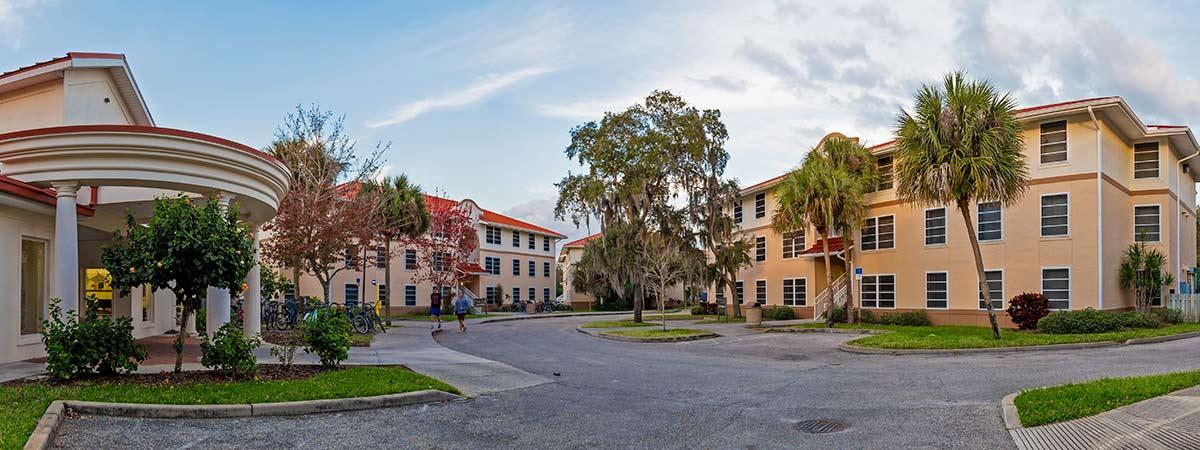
(1187, 304)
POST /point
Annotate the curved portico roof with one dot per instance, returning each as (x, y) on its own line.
(145, 156)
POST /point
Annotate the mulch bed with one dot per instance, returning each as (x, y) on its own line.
(266, 372)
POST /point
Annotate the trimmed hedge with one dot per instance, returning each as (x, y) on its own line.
(778, 313)
(904, 319)
(1089, 320)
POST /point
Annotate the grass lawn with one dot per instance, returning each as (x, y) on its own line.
(655, 316)
(1072, 401)
(361, 340)
(616, 324)
(721, 319)
(658, 333)
(953, 337)
(21, 406)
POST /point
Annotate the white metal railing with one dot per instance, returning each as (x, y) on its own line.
(823, 303)
(1188, 306)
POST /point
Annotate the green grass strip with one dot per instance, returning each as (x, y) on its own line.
(960, 337)
(22, 406)
(658, 333)
(1073, 401)
(616, 324)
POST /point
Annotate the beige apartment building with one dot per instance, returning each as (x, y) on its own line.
(1099, 180)
(515, 260)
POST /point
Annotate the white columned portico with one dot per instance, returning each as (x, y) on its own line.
(66, 246)
(217, 303)
(251, 322)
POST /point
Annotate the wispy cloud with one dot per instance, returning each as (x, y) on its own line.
(12, 20)
(469, 95)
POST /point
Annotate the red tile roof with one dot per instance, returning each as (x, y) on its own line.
(28, 191)
(583, 241)
(69, 56)
(836, 245)
(501, 219)
(471, 268)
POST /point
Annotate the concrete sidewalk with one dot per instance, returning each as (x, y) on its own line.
(1168, 422)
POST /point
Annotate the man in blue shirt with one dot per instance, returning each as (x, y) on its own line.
(462, 307)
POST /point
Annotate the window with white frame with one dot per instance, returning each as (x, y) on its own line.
(878, 291)
(532, 269)
(1054, 215)
(935, 226)
(990, 219)
(545, 294)
(1056, 286)
(351, 293)
(739, 292)
(410, 259)
(995, 283)
(410, 295)
(440, 261)
(381, 257)
(516, 294)
(737, 211)
(760, 248)
(760, 205)
(516, 238)
(879, 233)
(493, 235)
(937, 290)
(532, 241)
(885, 172)
(546, 269)
(793, 244)
(760, 292)
(795, 292)
(1146, 223)
(1054, 142)
(1145, 160)
(516, 267)
(491, 264)
(545, 243)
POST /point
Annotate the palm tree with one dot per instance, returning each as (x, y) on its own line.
(861, 170)
(402, 205)
(1142, 272)
(961, 145)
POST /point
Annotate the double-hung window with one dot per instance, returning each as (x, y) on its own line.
(760, 205)
(516, 267)
(490, 294)
(545, 243)
(760, 292)
(516, 238)
(1056, 286)
(1054, 215)
(739, 292)
(532, 241)
(737, 211)
(995, 283)
(351, 293)
(878, 291)
(990, 219)
(493, 235)
(545, 294)
(1054, 142)
(410, 259)
(793, 244)
(491, 264)
(516, 294)
(760, 248)
(546, 269)
(381, 293)
(1145, 160)
(1146, 226)
(937, 290)
(381, 257)
(885, 172)
(532, 269)
(532, 294)
(795, 291)
(410, 295)
(879, 233)
(935, 226)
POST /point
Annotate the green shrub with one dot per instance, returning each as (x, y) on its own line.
(1169, 316)
(230, 352)
(905, 319)
(1133, 319)
(1092, 321)
(706, 309)
(201, 322)
(1027, 309)
(778, 313)
(839, 315)
(327, 334)
(95, 344)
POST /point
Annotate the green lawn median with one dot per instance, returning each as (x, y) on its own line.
(660, 334)
(617, 324)
(22, 403)
(721, 319)
(963, 337)
(1073, 401)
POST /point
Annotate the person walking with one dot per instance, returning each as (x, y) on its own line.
(435, 310)
(462, 307)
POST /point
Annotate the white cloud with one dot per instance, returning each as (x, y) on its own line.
(472, 94)
(541, 213)
(12, 20)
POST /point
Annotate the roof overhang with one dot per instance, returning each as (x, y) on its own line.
(114, 63)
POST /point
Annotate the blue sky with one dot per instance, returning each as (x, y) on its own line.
(477, 98)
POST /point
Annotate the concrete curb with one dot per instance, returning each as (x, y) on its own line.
(850, 348)
(601, 334)
(824, 330)
(1008, 409)
(47, 428)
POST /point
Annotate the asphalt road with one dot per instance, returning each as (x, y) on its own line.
(744, 391)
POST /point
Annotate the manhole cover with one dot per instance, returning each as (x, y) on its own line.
(817, 426)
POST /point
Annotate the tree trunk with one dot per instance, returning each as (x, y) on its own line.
(965, 209)
(848, 258)
(638, 299)
(828, 279)
(387, 280)
(662, 309)
(187, 311)
(362, 282)
(296, 282)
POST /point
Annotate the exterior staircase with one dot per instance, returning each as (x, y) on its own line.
(835, 294)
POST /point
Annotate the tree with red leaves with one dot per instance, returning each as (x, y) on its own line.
(444, 251)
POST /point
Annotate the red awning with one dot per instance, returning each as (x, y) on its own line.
(836, 246)
(472, 268)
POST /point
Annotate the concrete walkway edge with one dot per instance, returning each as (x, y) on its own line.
(850, 348)
(600, 334)
(1165, 421)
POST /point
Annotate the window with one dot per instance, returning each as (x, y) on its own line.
(545, 294)
(491, 264)
(760, 292)
(546, 269)
(97, 283)
(720, 296)
(348, 257)
(935, 226)
(493, 235)
(1146, 223)
(793, 244)
(879, 233)
(410, 259)
(33, 285)
(147, 303)
(760, 248)
(516, 238)
(1145, 160)
(440, 261)
(760, 205)
(532, 268)
(885, 172)
(1054, 142)
(795, 291)
(290, 292)
(936, 290)
(990, 220)
(516, 294)
(381, 257)
(532, 241)
(490, 294)
(878, 291)
(737, 211)
(545, 243)
(739, 292)
(1054, 215)
(351, 293)
(381, 293)
(995, 283)
(516, 267)
(1056, 286)
(410, 295)
(532, 294)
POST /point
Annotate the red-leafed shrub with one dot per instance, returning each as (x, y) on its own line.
(1027, 308)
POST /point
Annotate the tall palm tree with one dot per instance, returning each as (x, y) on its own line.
(961, 145)
(862, 172)
(405, 216)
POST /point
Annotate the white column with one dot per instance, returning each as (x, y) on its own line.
(217, 302)
(252, 323)
(66, 247)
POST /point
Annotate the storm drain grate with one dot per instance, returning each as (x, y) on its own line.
(818, 426)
